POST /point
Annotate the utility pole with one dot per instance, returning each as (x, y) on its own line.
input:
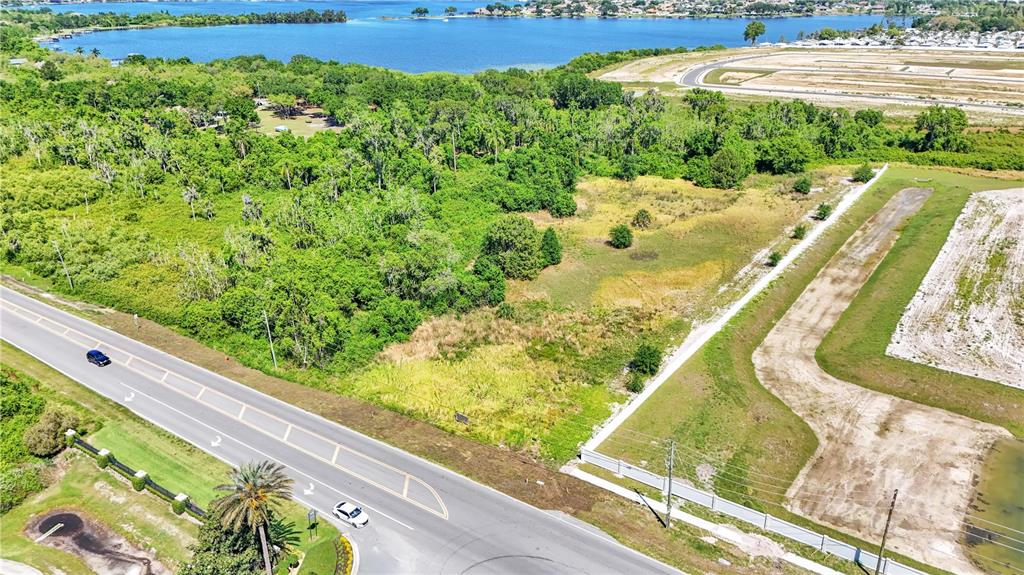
(270, 338)
(668, 490)
(885, 532)
(60, 256)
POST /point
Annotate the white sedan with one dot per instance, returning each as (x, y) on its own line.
(351, 514)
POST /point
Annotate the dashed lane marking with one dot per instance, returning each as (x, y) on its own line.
(442, 512)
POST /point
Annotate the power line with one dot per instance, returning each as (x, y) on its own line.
(976, 554)
(993, 523)
(811, 495)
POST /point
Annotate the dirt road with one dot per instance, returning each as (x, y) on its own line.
(871, 443)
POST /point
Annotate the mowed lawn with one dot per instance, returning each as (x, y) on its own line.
(142, 518)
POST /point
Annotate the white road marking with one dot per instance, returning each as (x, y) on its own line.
(442, 513)
(262, 453)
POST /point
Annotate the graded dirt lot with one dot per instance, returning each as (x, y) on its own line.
(871, 443)
(970, 78)
(988, 84)
(968, 314)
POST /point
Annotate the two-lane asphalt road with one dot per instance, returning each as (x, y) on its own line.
(423, 518)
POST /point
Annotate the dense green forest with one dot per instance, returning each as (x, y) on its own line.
(144, 187)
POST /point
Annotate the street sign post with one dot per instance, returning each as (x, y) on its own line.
(311, 517)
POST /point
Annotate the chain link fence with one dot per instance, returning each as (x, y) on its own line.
(756, 518)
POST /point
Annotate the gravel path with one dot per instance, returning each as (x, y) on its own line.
(871, 443)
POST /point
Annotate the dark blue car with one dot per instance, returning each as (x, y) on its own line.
(97, 357)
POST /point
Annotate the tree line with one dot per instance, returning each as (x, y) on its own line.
(45, 21)
(339, 244)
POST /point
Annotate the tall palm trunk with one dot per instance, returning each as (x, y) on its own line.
(266, 550)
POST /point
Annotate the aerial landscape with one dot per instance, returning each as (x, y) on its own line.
(585, 286)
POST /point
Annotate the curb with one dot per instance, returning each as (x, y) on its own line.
(355, 554)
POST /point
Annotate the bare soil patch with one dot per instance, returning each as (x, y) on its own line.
(968, 315)
(102, 550)
(872, 443)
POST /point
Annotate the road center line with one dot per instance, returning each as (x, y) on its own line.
(225, 435)
(442, 512)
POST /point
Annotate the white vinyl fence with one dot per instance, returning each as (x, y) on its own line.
(756, 518)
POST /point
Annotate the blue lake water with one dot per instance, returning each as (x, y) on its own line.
(455, 44)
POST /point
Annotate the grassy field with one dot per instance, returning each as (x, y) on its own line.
(717, 410)
(142, 518)
(302, 125)
(541, 375)
(1000, 509)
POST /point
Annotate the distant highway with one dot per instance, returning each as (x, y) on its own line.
(694, 78)
(424, 519)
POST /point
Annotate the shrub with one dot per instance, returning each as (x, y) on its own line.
(550, 248)
(635, 383)
(138, 483)
(103, 461)
(488, 271)
(774, 258)
(46, 437)
(17, 483)
(824, 211)
(621, 237)
(505, 311)
(629, 167)
(646, 360)
(863, 173)
(178, 507)
(642, 219)
(802, 185)
(799, 232)
(563, 206)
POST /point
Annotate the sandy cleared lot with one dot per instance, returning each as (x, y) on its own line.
(959, 76)
(968, 314)
(989, 85)
(871, 443)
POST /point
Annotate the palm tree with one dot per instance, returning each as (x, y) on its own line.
(254, 489)
(79, 50)
(95, 52)
(190, 194)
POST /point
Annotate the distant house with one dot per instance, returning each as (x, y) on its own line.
(281, 129)
(17, 61)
